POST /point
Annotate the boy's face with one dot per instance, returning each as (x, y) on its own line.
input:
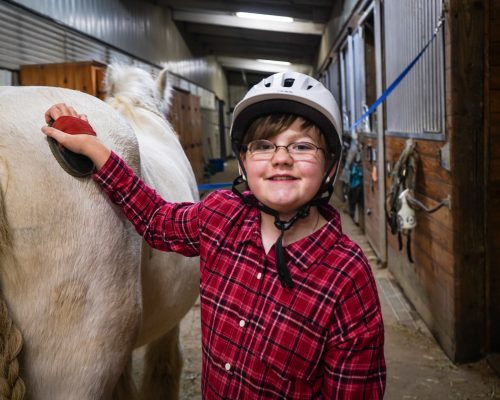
(282, 182)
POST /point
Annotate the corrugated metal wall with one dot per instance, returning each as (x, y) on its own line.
(143, 29)
(28, 38)
(416, 107)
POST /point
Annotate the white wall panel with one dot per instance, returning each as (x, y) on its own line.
(5, 77)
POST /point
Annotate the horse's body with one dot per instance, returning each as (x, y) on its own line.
(71, 270)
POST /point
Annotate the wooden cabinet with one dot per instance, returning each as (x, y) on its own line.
(86, 76)
(185, 117)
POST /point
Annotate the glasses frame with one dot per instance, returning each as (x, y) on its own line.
(270, 154)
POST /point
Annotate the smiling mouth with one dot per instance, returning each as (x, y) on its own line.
(282, 178)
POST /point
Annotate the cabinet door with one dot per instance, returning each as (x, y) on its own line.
(100, 89)
(87, 77)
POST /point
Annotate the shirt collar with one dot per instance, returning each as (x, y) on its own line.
(312, 249)
(302, 253)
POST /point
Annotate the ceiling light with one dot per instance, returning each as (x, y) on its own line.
(264, 17)
(273, 62)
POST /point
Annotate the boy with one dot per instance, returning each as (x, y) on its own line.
(289, 307)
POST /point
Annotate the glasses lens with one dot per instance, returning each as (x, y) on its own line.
(261, 147)
(302, 148)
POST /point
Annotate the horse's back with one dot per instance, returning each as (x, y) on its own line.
(71, 277)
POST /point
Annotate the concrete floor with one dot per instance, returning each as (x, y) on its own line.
(417, 368)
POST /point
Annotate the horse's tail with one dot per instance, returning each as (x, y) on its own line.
(11, 341)
(166, 90)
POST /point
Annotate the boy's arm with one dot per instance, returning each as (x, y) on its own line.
(354, 360)
(165, 226)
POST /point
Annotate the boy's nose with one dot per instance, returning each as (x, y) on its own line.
(281, 154)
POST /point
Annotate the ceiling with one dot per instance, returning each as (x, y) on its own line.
(210, 27)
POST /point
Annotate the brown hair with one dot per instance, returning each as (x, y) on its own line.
(273, 124)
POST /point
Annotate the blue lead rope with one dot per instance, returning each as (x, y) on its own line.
(400, 77)
(213, 186)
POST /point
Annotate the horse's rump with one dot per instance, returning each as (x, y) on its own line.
(70, 262)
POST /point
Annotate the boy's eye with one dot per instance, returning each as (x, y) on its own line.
(261, 145)
(303, 147)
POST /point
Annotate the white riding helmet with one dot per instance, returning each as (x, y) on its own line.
(294, 93)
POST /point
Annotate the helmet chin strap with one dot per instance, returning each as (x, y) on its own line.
(283, 272)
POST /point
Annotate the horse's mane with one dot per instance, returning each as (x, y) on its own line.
(132, 85)
(138, 98)
(134, 93)
(166, 90)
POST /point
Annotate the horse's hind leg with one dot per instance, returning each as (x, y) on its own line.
(162, 368)
(125, 388)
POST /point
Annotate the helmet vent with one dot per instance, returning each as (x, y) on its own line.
(268, 84)
(309, 87)
(288, 82)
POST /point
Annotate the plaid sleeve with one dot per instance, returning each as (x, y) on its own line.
(354, 362)
(165, 226)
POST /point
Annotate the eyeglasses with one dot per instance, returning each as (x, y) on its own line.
(265, 149)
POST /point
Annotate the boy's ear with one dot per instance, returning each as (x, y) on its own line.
(332, 172)
(243, 159)
(240, 171)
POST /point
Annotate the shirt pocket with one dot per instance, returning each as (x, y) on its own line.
(292, 345)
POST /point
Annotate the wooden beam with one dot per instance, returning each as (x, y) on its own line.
(465, 23)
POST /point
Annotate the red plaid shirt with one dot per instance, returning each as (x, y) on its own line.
(323, 339)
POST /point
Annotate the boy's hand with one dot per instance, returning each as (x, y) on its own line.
(59, 110)
(75, 143)
(85, 144)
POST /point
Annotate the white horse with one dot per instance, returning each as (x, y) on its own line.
(78, 283)
(144, 103)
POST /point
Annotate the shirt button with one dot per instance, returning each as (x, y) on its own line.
(259, 275)
(227, 366)
(242, 323)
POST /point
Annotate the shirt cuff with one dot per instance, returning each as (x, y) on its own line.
(111, 172)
